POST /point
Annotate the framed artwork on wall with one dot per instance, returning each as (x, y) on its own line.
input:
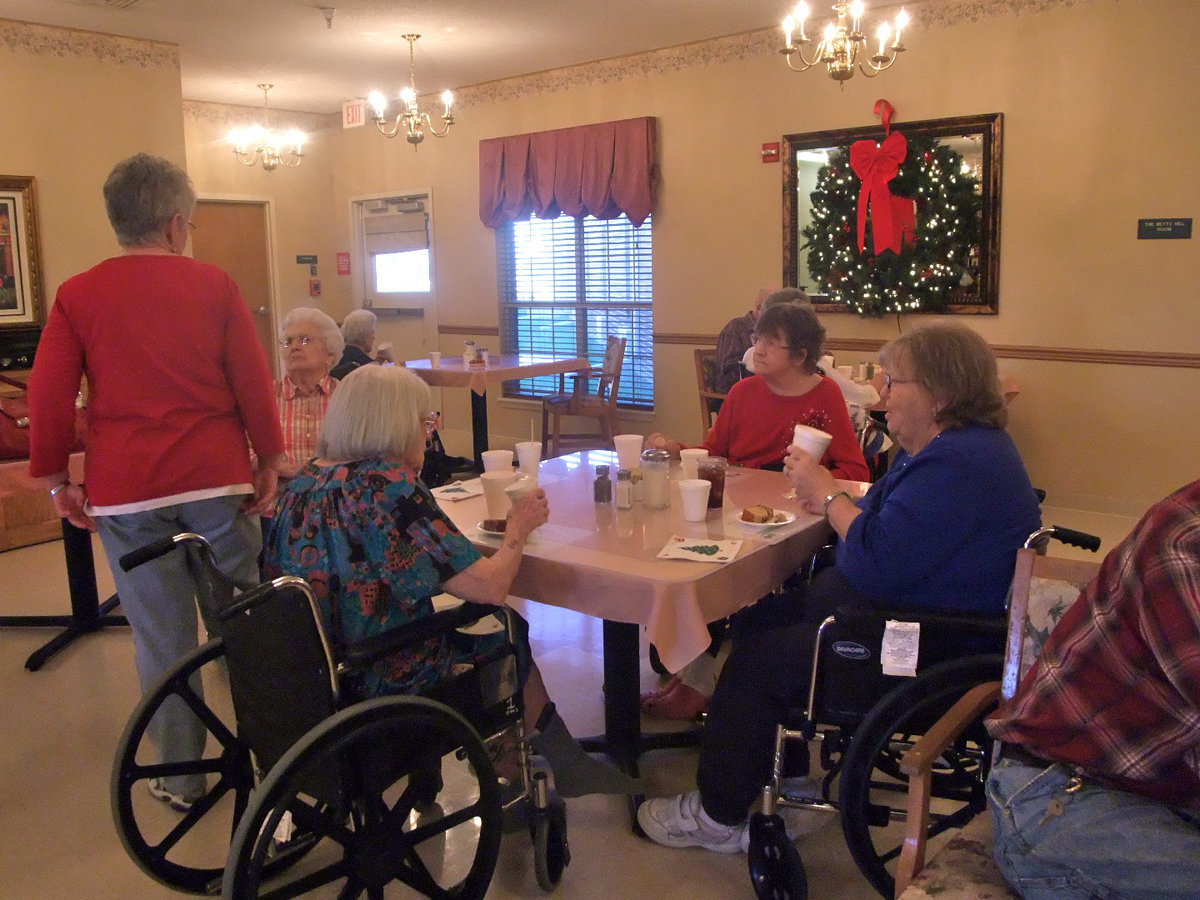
(21, 301)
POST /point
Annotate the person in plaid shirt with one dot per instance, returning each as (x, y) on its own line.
(1100, 795)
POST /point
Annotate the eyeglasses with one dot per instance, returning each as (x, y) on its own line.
(768, 343)
(303, 340)
(430, 420)
(192, 225)
(888, 381)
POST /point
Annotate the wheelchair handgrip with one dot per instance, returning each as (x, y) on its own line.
(1076, 538)
(362, 653)
(135, 558)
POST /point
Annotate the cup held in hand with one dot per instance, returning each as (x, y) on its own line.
(813, 441)
(494, 484)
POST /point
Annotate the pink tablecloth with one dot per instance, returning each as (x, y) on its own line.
(453, 372)
(602, 561)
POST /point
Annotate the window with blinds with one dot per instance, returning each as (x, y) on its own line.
(567, 284)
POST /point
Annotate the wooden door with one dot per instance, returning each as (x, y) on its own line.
(232, 234)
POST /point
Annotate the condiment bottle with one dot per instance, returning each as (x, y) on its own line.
(655, 467)
(602, 487)
(624, 489)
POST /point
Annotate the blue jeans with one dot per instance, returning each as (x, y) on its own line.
(1104, 843)
(160, 599)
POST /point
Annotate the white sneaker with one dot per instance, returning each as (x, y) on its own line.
(680, 821)
(797, 823)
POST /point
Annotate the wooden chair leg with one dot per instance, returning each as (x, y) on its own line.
(556, 439)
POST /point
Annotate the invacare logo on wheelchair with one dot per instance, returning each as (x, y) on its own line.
(850, 650)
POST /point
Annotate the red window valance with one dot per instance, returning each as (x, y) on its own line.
(600, 170)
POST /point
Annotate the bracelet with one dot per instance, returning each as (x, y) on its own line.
(833, 497)
(58, 489)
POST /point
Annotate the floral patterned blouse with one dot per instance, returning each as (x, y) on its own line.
(375, 546)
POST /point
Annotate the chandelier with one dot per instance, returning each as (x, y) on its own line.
(258, 144)
(410, 118)
(841, 44)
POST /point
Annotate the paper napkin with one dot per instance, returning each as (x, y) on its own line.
(459, 490)
(700, 549)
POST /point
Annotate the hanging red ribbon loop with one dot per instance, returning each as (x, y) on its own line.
(884, 110)
(876, 165)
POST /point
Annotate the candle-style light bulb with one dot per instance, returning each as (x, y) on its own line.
(856, 11)
(901, 24)
(789, 25)
(801, 18)
(378, 103)
(447, 102)
(884, 32)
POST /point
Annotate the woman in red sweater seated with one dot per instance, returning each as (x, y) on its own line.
(754, 429)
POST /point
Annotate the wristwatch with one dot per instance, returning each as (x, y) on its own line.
(833, 497)
(58, 488)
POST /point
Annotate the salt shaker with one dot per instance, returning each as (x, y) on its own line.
(624, 489)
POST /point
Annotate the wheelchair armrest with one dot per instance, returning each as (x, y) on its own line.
(363, 653)
(967, 623)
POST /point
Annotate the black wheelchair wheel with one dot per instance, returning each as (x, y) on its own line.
(872, 789)
(776, 870)
(551, 851)
(398, 794)
(184, 851)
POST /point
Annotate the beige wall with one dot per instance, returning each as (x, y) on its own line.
(85, 106)
(1090, 145)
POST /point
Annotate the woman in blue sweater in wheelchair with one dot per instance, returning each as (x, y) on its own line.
(938, 532)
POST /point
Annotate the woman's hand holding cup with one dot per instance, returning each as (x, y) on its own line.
(527, 513)
(811, 481)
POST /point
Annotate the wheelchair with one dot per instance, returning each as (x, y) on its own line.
(864, 721)
(313, 786)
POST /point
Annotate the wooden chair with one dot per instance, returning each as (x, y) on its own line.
(706, 385)
(1043, 589)
(600, 404)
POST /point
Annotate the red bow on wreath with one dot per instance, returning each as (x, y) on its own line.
(877, 164)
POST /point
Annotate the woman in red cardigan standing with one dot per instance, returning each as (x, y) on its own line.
(177, 381)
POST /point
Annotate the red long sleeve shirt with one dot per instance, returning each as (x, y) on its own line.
(176, 381)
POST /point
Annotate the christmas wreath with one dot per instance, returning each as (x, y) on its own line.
(936, 265)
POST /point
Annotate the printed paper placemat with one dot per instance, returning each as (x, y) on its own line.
(700, 549)
(459, 490)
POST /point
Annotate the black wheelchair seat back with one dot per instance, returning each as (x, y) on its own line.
(850, 679)
(281, 668)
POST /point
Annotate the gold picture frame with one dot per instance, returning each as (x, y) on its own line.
(21, 298)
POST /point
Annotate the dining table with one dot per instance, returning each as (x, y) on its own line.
(605, 562)
(457, 371)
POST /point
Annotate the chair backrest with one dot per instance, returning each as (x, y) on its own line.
(706, 386)
(1043, 588)
(610, 371)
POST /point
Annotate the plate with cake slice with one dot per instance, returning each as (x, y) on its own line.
(765, 517)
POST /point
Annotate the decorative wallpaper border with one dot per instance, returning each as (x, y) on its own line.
(233, 116)
(926, 14)
(51, 40)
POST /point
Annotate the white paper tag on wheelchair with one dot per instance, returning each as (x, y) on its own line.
(901, 643)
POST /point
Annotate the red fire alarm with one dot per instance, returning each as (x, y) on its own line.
(770, 152)
(314, 287)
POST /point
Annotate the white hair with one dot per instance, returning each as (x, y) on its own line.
(324, 324)
(357, 325)
(375, 411)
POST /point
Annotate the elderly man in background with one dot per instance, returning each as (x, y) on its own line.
(179, 392)
(310, 342)
(733, 342)
(358, 331)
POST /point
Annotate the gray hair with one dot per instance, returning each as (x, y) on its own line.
(142, 194)
(957, 367)
(357, 325)
(375, 411)
(786, 295)
(325, 325)
(797, 325)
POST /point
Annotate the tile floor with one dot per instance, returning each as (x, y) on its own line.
(61, 725)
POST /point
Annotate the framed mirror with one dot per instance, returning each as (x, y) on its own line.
(945, 200)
